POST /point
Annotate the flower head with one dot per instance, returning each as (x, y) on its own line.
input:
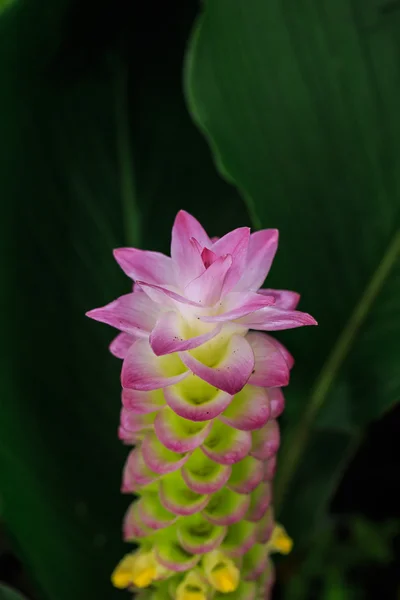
(201, 395)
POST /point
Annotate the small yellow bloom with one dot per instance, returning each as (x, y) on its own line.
(280, 541)
(221, 572)
(137, 569)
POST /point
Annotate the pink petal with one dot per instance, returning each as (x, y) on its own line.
(167, 335)
(227, 507)
(234, 243)
(246, 475)
(164, 557)
(152, 267)
(132, 313)
(172, 502)
(249, 409)
(143, 370)
(277, 402)
(260, 254)
(178, 434)
(269, 468)
(234, 370)
(132, 526)
(199, 544)
(244, 304)
(270, 366)
(265, 441)
(189, 408)
(283, 350)
(142, 402)
(136, 473)
(206, 290)
(208, 257)
(158, 458)
(206, 484)
(260, 500)
(134, 422)
(120, 345)
(274, 319)
(227, 451)
(184, 253)
(283, 298)
(153, 514)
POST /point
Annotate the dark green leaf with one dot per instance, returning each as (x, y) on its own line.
(299, 103)
(75, 186)
(7, 593)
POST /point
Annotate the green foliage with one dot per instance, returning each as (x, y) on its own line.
(7, 593)
(302, 118)
(329, 568)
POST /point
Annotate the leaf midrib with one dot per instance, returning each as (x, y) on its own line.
(296, 443)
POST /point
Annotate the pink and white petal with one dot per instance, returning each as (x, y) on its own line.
(165, 296)
(136, 473)
(184, 253)
(277, 402)
(260, 254)
(248, 410)
(178, 434)
(270, 366)
(120, 345)
(283, 298)
(265, 441)
(191, 409)
(284, 351)
(141, 403)
(234, 243)
(275, 319)
(206, 289)
(168, 335)
(158, 458)
(232, 372)
(131, 313)
(243, 304)
(143, 370)
(152, 267)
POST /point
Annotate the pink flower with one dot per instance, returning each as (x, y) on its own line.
(189, 314)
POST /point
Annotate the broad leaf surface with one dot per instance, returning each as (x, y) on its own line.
(299, 102)
(98, 151)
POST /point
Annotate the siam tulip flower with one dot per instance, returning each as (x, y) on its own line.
(201, 394)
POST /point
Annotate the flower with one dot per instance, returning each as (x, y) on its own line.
(201, 392)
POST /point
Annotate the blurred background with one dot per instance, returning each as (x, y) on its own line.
(267, 113)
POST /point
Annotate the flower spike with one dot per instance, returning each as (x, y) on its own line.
(201, 394)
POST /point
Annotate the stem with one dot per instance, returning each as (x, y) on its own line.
(295, 447)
